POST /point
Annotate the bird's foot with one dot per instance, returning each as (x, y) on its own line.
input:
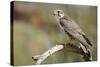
(70, 44)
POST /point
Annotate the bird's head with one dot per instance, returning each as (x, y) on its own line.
(58, 13)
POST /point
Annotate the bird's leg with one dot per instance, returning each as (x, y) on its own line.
(71, 41)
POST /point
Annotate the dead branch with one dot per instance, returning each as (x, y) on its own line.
(69, 47)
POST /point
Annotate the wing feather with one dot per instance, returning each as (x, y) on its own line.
(73, 29)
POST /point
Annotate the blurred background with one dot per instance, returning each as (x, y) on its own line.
(35, 30)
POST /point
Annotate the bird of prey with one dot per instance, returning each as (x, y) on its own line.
(72, 29)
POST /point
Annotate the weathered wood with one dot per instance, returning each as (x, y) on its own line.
(68, 47)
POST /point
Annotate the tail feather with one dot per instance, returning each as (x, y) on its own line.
(86, 51)
(83, 48)
(87, 40)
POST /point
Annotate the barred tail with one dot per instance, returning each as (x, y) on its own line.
(86, 51)
(87, 40)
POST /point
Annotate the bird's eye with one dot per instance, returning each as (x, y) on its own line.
(58, 11)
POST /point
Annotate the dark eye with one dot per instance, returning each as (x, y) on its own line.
(58, 11)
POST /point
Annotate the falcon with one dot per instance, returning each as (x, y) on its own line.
(74, 32)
